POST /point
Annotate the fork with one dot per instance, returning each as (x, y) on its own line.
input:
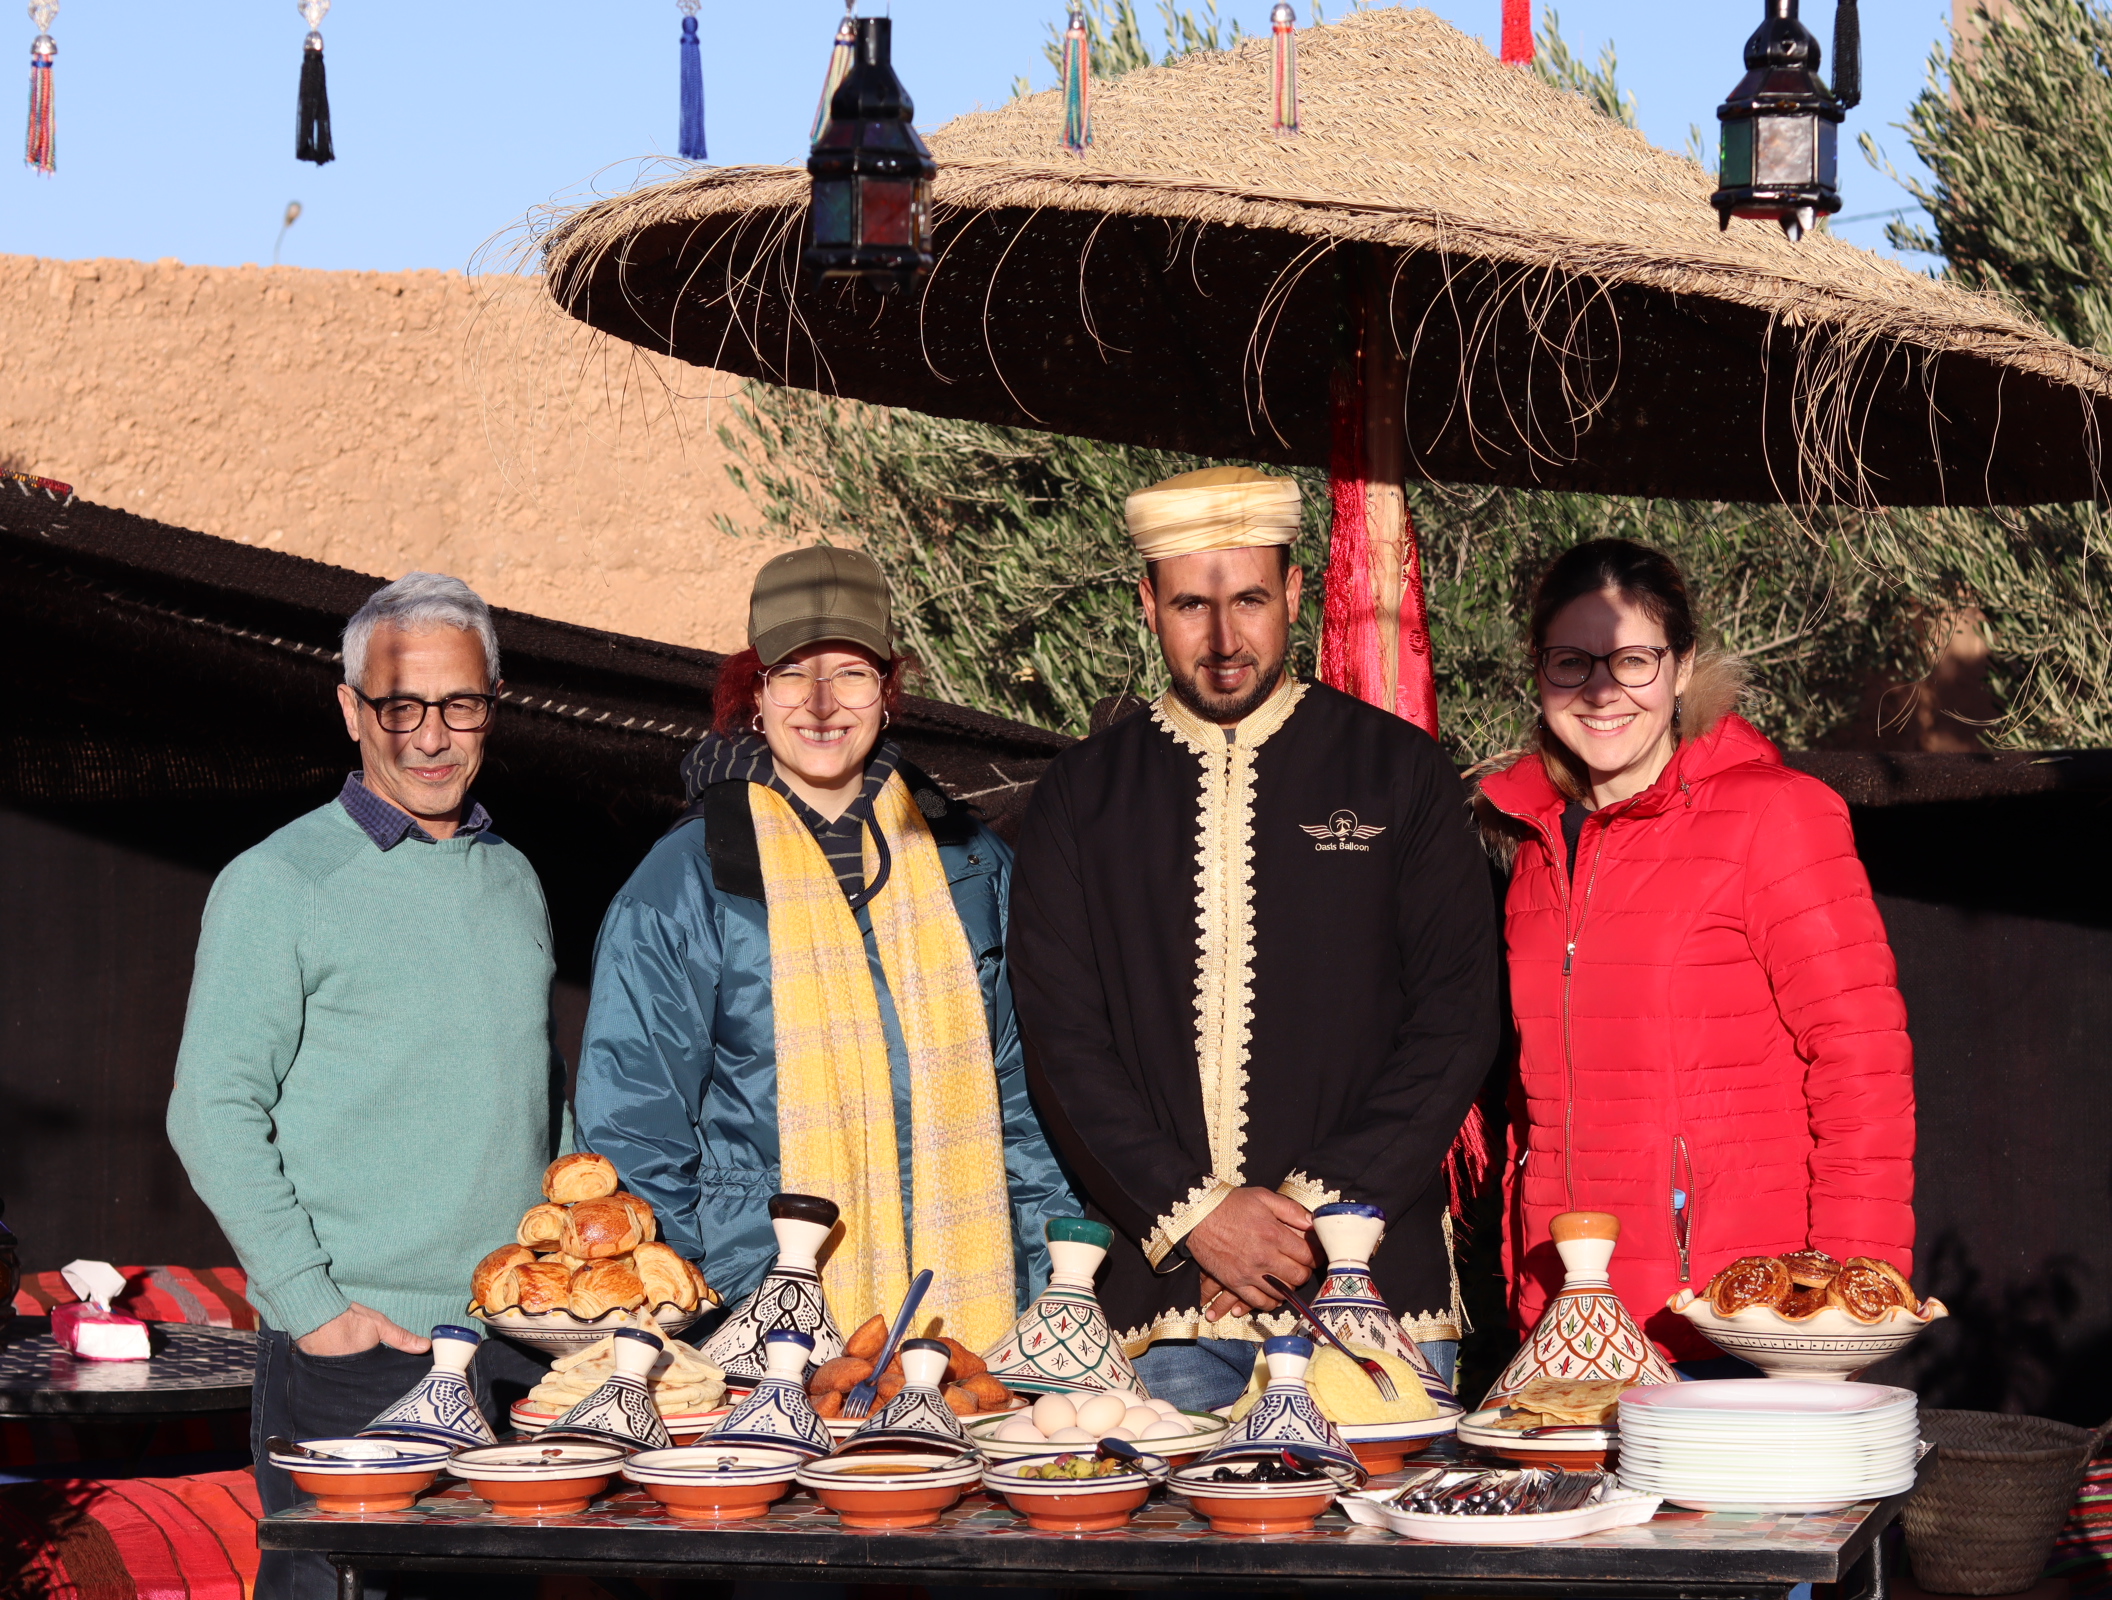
(858, 1404)
(1372, 1370)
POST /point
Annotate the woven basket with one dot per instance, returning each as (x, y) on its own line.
(1991, 1499)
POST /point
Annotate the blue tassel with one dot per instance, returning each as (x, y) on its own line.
(692, 143)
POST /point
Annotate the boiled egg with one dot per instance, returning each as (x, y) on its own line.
(1053, 1411)
(1101, 1413)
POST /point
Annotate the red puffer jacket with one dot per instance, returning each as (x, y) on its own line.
(1709, 1010)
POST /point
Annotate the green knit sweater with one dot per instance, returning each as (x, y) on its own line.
(367, 1092)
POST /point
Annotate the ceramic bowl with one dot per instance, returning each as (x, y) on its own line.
(1078, 1505)
(708, 1483)
(1179, 1452)
(365, 1474)
(537, 1480)
(1254, 1507)
(561, 1333)
(1828, 1345)
(892, 1490)
(684, 1427)
(1573, 1448)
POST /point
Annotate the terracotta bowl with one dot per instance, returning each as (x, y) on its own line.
(538, 1480)
(715, 1483)
(369, 1474)
(1257, 1507)
(1388, 1455)
(683, 1427)
(884, 1490)
(1078, 1505)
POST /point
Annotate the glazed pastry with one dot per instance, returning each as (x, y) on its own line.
(541, 1228)
(606, 1286)
(706, 1294)
(541, 1286)
(584, 1176)
(666, 1276)
(569, 1263)
(481, 1281)
(865, 1343)
(648, 1224)
(1802, 1304)
(1868, 1289)
(1810, 1269)
(595, 1230)
(1752, 1281)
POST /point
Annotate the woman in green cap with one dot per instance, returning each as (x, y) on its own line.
(802, 988)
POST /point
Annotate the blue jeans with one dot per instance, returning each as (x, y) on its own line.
(1203, 1374)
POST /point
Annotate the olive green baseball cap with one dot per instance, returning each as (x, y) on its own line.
(819, 595)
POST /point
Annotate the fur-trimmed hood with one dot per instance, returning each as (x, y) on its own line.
(1515, 794)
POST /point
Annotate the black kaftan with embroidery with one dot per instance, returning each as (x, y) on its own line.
(1270, 962)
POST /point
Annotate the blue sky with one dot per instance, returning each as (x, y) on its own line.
(175, 122)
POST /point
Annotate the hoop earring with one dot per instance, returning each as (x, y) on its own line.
(755, 723)
(886, 717)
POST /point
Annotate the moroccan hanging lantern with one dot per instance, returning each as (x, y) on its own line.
(871, 175)
(40, 150)
(1781, 124)
(311, 136)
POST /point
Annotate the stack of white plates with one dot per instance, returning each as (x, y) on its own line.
(1779, 1445)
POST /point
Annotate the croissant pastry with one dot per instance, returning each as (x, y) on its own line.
(648, 1224)
(1868, 1289)
(598, 1229)
(1751, 1281)
(666, 1277)
(583, 1176)
(1810, 1269)
(487, 1271)
(540, 1286)
(541, 1228)
(605, 1286)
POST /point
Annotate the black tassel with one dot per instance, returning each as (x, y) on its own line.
(311, 138)
(1847, 54)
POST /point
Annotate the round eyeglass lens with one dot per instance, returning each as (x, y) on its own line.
(855, 688)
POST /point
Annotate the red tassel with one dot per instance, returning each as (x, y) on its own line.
(1468, 1162)
(1349, 632)
(1415, 691)
(1517, 31)
(41, 149)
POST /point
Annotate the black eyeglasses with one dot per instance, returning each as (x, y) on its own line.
(405, 713)
(1632, 666)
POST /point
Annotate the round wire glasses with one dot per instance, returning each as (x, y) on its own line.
(856, 688)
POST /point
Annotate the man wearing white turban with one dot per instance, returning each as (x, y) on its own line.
(1254, 958)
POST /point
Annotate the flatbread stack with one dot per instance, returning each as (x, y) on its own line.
(681, 1380)
(1548, 1402)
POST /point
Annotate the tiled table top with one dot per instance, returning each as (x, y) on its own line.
(192, 1369)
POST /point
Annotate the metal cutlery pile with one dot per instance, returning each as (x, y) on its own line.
(1504, 1492)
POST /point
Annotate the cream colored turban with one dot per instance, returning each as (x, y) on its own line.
(1219, 508)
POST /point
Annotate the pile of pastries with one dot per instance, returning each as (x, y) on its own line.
(588, 1249)
(1800, 1285)
(681, 1381)
(969, 1389)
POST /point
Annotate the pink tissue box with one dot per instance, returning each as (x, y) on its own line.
(99, 1335)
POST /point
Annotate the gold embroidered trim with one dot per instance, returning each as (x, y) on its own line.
(1309, 1191)
(1423, 1327)
(1459, 1304)
(1178, 1223)
(1224, 911)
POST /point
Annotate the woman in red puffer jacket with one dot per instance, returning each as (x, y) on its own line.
(1712, 1041)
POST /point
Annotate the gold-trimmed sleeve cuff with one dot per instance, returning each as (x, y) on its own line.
(1308, 1191)
(1178, 1223)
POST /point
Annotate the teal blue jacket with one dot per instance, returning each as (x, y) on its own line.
(678, 1074)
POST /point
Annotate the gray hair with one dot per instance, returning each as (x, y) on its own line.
(419, 602)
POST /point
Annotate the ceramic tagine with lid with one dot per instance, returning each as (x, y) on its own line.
(440, 1409)
(1348, 1302)
(777, 1413)
(1585, 1334)
(918, 1418)
(789, 1296)
(1286, 1417)
(1062, 1344)
(622, 1411)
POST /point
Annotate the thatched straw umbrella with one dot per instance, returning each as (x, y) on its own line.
(1453, 272)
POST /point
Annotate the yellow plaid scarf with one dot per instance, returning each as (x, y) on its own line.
(835, 1097)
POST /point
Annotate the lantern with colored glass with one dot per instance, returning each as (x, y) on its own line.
(1781, 129)
(872, 175)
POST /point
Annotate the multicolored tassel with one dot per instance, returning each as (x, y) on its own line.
(1077, 85)
(840, 57)
(1283, 22)
(691, 140)
(41, 148)
(311, 130)
(1518, 32)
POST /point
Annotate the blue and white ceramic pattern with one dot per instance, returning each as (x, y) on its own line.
(1286, 1415)
(440, 1409)
(789, 1297)
(622, 1411)
(777, 1413)
(1349, 1304)
(918, 1417)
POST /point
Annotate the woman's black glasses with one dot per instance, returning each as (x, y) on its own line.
(1633, 666)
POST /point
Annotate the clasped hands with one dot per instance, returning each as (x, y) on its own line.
(1252, 1233)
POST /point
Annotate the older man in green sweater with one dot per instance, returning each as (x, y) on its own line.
(368, 1092)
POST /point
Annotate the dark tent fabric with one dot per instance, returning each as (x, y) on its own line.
(170, 702)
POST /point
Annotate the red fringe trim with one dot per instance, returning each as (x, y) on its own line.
(1517, 31)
